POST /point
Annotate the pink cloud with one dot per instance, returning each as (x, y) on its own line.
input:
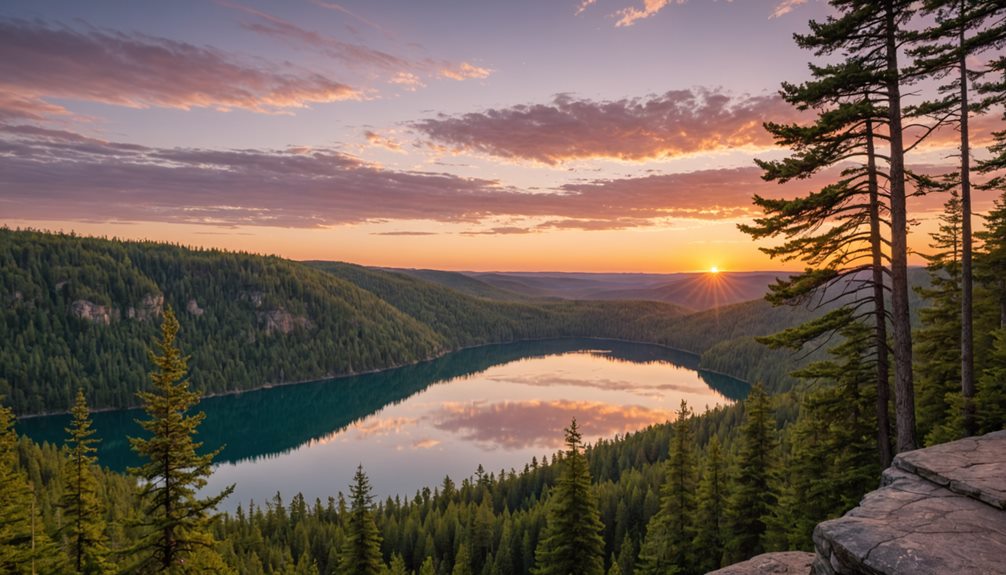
(48, 174)
(397, 69)
(522, 424)
(629, 16)
(42, 61)
(673, 124)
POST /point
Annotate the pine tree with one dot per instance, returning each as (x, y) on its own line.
(938, 340)
(667, 547)
(427, 568)
(572, 542)
(23, 544)
(82, 508)
(178, 523)
(361, 554)
(991, 397)
(752, 496)
(710, 520)
(958, 34)
(831, 463)
(837, 231)
(872, 32)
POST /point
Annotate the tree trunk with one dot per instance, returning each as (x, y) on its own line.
(904, 387)
(879, 307)
(967, 295)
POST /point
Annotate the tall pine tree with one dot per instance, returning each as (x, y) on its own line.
(177, 522)
(667, 547)
(710, 520)
(572, 542)
(84, 525)
(752, 496)
(361, 553)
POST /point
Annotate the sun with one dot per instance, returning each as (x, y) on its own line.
(714, 270)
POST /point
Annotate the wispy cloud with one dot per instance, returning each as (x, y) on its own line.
(48, 174)
(785, 7)
(396, 69)
(53, 61)
(568, 128)
(630, 15)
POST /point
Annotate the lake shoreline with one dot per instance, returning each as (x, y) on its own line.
(400, 366)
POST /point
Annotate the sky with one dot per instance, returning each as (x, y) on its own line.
(559, 135)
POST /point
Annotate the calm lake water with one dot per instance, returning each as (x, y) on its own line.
(495, 405)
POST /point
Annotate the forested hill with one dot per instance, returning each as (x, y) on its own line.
(79, 312)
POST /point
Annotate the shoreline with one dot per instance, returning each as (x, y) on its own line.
(399, 366)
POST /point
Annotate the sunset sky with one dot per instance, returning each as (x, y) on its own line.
(589, 135)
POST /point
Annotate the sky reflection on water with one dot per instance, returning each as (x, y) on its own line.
(497, 406)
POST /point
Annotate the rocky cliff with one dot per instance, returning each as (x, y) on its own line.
(939, 510)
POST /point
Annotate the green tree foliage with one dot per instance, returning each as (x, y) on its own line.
(938, 339)
(361, 552)
(667, 547)
(84, 516)
(23, 542)
(572, 541)
(831, 459)
(177, 522)
(752, 494)
(947, 48)
(710, 520)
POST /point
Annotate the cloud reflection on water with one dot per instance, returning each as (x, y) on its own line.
(513, 425)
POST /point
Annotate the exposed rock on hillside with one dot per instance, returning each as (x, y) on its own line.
(93, 312)
(193, 308)
(940, 511)
(282, 321)
(151, 307)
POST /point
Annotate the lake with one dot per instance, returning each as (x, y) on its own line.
(497, 405)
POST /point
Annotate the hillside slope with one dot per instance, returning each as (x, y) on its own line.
(80, 312)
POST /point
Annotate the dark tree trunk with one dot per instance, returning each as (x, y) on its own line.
(879, 307)
(904, 387)
(967, 295)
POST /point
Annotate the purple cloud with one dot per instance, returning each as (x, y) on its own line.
(673, 124)
(42, 61)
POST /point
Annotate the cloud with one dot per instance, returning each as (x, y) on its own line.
(676, 123)
(629, 16)
(42, 61)
(404, 233)
(584, 4)
(522, 424)
(380, 141)
(49, 174)
(398, 70)
(785, 7)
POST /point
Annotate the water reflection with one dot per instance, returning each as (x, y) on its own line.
(522, 424)
(495, 405)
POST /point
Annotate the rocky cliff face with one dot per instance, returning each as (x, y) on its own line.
(282, 321)
(939, 511)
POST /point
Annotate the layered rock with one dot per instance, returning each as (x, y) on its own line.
(282, 321)
(92, 312)
(939, 511)
(783, 563)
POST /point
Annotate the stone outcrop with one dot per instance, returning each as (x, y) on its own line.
(151, 307)
(92, 312)
(282, 321)
(783, 563)
(939, 511)
(193, 308)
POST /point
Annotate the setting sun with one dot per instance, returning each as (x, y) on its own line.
(714, 270)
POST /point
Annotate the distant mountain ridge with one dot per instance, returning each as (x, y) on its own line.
(695, 291)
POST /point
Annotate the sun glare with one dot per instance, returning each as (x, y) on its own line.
(714, 270)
